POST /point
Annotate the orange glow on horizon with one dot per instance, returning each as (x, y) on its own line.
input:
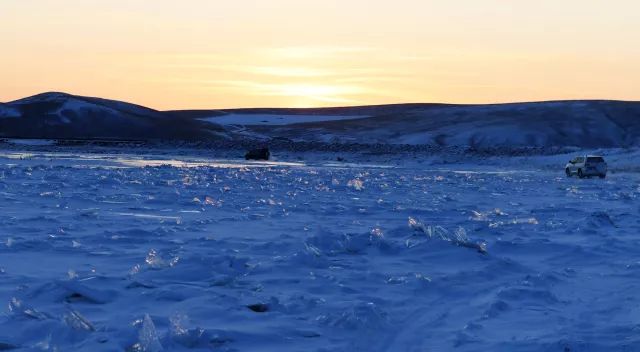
(286, 53)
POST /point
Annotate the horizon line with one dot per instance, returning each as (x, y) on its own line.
(560, 100)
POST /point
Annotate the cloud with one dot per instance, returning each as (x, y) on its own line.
(314, 52)
(288, 71)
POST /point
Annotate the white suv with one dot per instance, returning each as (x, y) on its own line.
(587, 165)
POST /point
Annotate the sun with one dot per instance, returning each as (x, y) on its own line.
(316, 94)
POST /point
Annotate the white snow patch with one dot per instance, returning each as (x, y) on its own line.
(273, 119)
(9, 112)
(80, 106)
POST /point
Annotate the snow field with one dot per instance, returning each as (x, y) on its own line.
(106, 254)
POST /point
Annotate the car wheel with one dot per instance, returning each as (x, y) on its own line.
(568, 172)
(580, 174)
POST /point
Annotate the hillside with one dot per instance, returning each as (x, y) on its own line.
(59, 115)
(586, 123)
(560, 123)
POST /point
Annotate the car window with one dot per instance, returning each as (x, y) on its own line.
(595, 159)
(579, 159)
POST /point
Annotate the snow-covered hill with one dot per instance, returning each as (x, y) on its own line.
(561, 123)
(588, 123)
(60, 115)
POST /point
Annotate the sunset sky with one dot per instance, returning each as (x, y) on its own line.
(170, 54)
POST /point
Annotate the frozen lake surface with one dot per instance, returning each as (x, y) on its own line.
(118, 252)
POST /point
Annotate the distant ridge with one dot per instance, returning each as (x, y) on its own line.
(580, 123)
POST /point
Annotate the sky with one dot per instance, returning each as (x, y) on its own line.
(198, 54)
